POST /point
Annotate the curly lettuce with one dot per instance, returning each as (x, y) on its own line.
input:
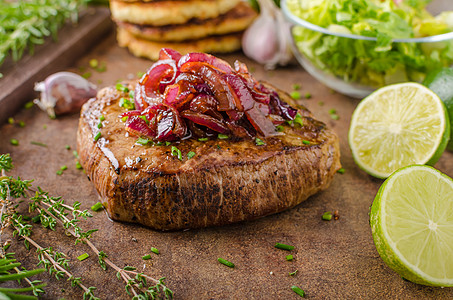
(373, 63)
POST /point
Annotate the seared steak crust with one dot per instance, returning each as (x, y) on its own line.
(225, 182)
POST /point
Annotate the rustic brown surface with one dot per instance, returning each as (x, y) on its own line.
(335, 260)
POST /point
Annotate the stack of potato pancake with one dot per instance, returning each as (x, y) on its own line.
(213, 26)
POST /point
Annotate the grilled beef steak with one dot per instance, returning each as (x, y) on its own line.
(224, 182)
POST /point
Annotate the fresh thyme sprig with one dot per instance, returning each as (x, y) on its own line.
(27, 23)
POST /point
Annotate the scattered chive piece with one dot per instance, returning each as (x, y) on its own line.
(21, 123)
(341, 171)
(298, 120)
(102, 118)
(97, 136)
(121, 88)
(332, 111)
(96, 207)
(176, 152)
(102, 67)
(93, 63)
(293, 273)
(305, 142)
(218, 147)
(298, 291)
(307, 95)
(38, 144)
(83, 256)
(78, 166)
(295, 95)
(160, 143)
(11, 120)
(284, 247)
(140, 74)
(36, 219)
(142, 141)
(67, 147)
(14, 142)
(28, 105)
(327, 216)
(59, 172)
(100, 125)
(76, 155)
(296, 86)
(190, 154)
(225, 262)
(44, 126)
(259, 142)
(64, 167)
(124, 119)
(127, 104)
(144, 118)
(222, 136)
(279, 128)
(86, 75)
(167, 143)
(154, 250)
(203, 139)
(335, 117)
(289, 257)
(146, 257)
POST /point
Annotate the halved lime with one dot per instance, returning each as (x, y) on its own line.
(412, 225)
(396, 126)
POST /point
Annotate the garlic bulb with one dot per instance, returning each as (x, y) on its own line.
(63, 92)
(266, 41)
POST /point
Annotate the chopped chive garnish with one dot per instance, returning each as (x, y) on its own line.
(167, 143)
(280, 128)
(332, 111)
(307, 95)
(93, 63)
(293, 273)
(83, 256)
(341, 171)
(296, 86)
(289, 257)
(96, 207)
(146, 257)
(140, 74)
(298, 291)
(298, 120)
(295, 95)
(67, 147)
(190, 154)
(154, 250)
(14, 142)
(21, 123)
(102, 67)
(305, 142)
(144, 118)
(97, 136)
(127, 104)
(78, 166)
(203, 139)
(284, 247)
(132, 94)
(102, 118)
(176, 152)
(160, 143)
(121, 88)
(86, 75)
(59, 172)
(259, 142)
(218, 147)
(327, 216)
(334, 117)
(225, 262)
(142, 141)
(28, 105)
(222, 136)
(124, 119)
(76, 155)
(11, 120)
(100, 125)
(38, 144)
(44, 126)
(64, 167)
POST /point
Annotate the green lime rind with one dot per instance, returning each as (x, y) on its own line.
(446, 139)
(440, 81)
(384, 248)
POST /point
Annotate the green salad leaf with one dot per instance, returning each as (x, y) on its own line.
(373, 63)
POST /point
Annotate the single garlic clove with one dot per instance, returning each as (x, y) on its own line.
(63, 92)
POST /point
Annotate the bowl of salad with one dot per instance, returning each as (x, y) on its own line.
(357, 46)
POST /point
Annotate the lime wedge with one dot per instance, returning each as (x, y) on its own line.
(396, 126)
(412, 225)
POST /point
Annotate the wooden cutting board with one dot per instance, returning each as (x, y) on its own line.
(335, 260)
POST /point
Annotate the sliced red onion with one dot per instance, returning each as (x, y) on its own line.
(167, 53)
(259, 121)
(243, 99)
(205, 120)
(63, 92)
(213, 61)
(137, 126)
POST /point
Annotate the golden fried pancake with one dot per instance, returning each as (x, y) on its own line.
(160, 13)
(235, 20)
(150, 49)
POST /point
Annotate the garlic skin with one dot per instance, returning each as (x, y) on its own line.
(267, 40)
(63, 92)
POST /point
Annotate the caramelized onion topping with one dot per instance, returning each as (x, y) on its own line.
(200, 95)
